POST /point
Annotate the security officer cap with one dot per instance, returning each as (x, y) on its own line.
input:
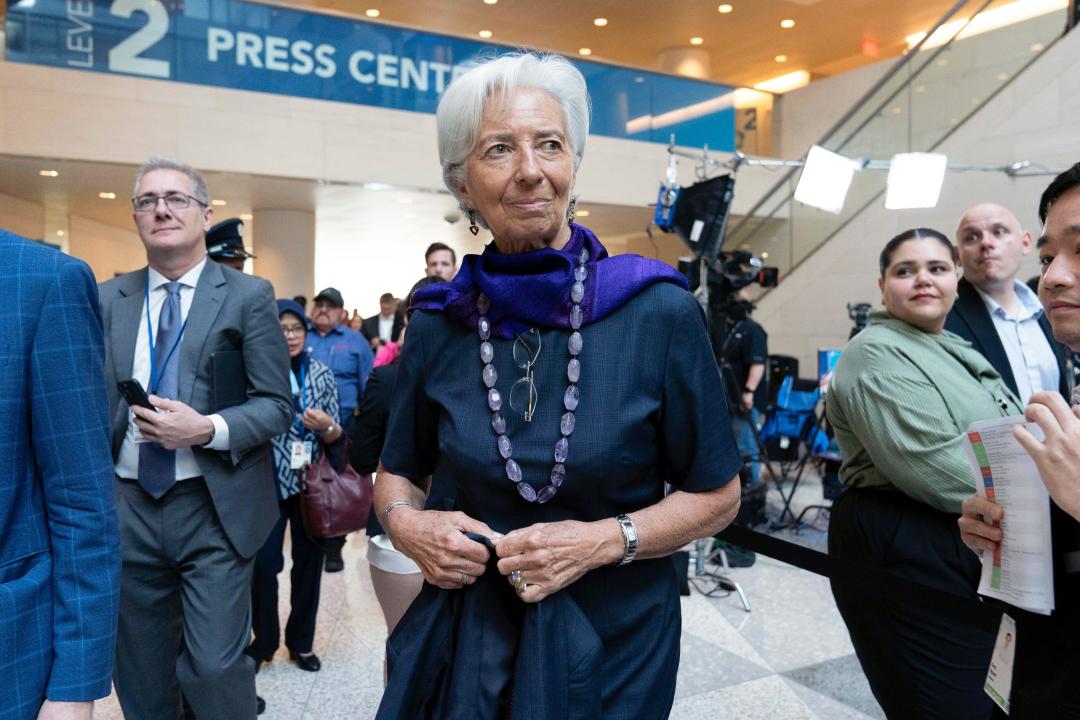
(226, 240)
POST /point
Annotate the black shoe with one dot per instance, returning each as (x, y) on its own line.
(309, 662)
(260, 705)
(334, 562)
(250, 652)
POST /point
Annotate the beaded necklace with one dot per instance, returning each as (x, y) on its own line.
(570, 397)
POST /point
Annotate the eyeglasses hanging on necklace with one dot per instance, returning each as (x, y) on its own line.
(523, 395)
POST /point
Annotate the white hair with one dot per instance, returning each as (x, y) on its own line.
(157, 162)
(461, 109)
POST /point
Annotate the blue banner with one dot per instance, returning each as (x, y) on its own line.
(250, 46)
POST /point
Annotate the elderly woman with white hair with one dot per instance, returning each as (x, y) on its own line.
(555, 392)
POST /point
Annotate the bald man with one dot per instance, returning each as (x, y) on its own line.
(998, 314)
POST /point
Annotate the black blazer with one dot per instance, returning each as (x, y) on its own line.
(370, 328)
(971, 320)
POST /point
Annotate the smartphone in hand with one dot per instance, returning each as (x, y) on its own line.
(132, 391)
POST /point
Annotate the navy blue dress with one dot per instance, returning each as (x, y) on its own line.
(652, 411)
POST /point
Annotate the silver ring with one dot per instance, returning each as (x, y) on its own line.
(522, 588)
(516, 580)
(464, 579)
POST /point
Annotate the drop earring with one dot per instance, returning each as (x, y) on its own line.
(570, 210)
(473, 227)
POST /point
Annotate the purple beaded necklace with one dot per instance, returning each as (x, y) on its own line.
(570, 397)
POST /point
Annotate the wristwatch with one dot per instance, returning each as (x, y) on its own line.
(630, 539)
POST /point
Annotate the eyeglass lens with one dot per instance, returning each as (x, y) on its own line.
(174, 201)
(523, 395)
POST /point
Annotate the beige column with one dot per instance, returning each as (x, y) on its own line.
(284, 244)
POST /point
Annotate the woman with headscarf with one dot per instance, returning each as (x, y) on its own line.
(556, 390)
(315, 401)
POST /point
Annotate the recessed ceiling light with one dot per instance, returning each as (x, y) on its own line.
(59, 233)
(725, 9)
(584, 51)
(780, 58)
(581, 213)
(48, 173)
(246, 216)
(787, 23)
(218, 203)
(484, 33)
(107, 195)
(600, 22)
(372, 13)
(490, 2)
(764, 256)
(696, 41)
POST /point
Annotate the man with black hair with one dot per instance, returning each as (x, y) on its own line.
(1047, 661)
(440, 260)
(386, 326)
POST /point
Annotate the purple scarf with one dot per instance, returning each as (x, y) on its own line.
(532, 289)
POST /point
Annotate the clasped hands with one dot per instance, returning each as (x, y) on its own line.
(1057, 457)
(180, 426)
(548, 556)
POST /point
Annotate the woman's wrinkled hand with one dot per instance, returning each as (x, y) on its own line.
(436, 542)
(551, 556)
(976, 533)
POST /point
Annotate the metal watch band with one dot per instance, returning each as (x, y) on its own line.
(630, 539)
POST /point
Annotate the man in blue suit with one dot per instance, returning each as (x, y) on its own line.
(59, 544)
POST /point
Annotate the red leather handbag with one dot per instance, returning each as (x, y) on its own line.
(334, 504)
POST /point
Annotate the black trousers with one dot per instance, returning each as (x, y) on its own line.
(919, 664)
(306, 578)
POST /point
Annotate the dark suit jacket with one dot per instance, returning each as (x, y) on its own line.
(241, 482)
(370, 328)
(971, 320)
(59, 543)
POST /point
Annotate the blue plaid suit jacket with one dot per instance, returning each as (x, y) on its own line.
(59, 542)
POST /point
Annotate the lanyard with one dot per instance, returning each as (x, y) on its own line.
(298, 423)
(154, 379)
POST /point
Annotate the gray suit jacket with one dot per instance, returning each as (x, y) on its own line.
(230, 311)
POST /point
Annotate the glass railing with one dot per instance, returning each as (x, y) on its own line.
(916, 105)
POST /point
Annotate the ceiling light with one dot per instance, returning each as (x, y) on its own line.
(490, 2)
(584, 51)
(696, 41)
(485, 33)
(787, 24)
(107, 195)
(246, 216)
(725, 9)
(999, 17)
(48, 173)
(581, 213)
(780, 58)
(915, 180)
(218, 203)
(60, 233)
(600, 22)
(784, 83)
(825, 179)
(372, 13)
(764, 256)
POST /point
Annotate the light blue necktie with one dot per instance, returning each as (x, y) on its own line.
(157, 466)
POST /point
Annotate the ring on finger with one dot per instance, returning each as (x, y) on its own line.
(464, 579)
(516, 580)
(522, 587)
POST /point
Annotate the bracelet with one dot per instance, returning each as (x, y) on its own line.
(630, 539)
(394, 506)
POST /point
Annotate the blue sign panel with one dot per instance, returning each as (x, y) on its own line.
(251, 46)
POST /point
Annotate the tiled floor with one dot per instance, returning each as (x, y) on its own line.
(789, 658)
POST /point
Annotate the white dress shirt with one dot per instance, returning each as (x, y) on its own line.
(1031, 358)
(127, 463)
(386, 326)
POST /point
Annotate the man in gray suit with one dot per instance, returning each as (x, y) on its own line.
(195, 489)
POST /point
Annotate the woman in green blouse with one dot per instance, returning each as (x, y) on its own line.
(901, 398)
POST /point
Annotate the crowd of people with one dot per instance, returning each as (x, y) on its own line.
(535, 467)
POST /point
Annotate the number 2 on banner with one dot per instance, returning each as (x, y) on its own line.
(125, 56)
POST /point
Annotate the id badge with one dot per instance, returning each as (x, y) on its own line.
(308, 449)
(999, 676)
(296, 456)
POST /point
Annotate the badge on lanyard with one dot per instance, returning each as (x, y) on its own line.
(999, 676)
(300, 456)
